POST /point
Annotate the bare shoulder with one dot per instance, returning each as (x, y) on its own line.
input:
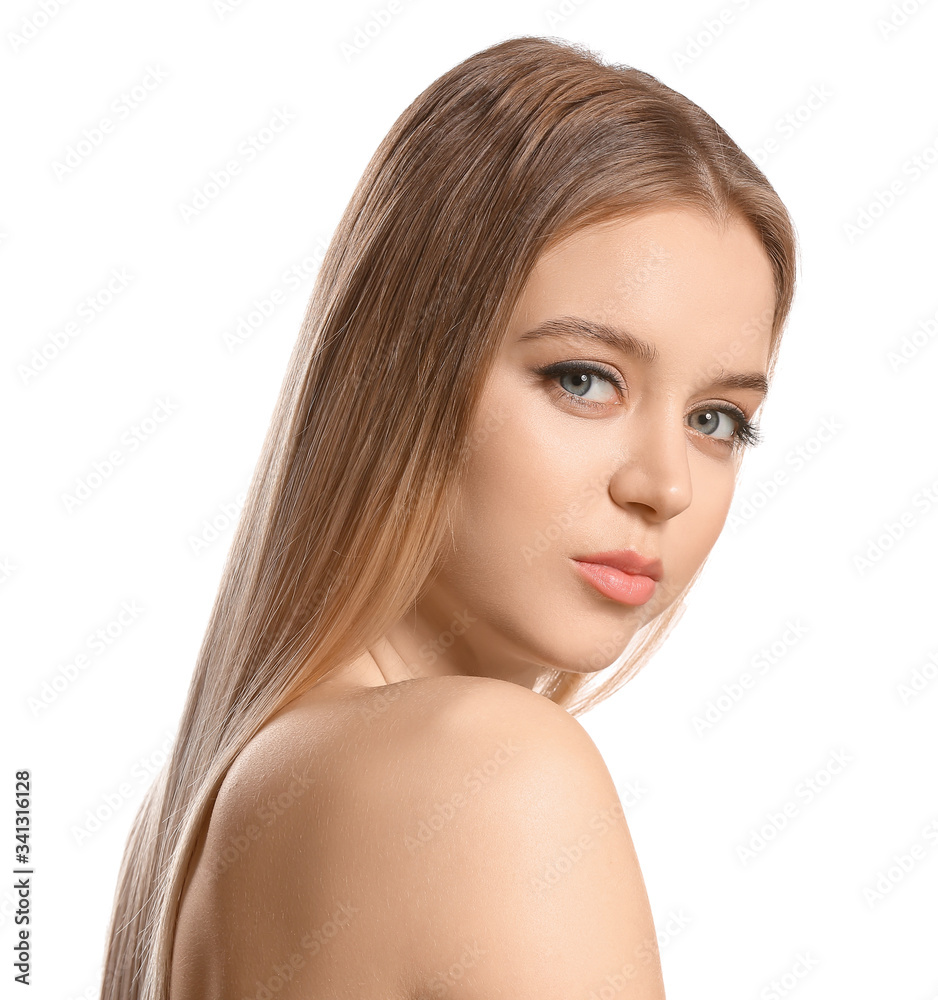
(504, 845)
(462, 832)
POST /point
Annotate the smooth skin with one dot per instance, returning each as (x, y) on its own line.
(404, 829)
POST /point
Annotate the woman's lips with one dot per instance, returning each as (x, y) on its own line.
(626, 588)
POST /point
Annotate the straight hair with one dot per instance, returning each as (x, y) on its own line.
(499, 159)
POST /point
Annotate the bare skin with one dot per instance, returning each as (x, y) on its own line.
(348, 767)
(628, 473)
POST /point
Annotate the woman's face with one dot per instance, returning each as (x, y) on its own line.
(583, 445)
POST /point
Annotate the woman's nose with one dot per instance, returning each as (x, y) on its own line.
(653, 471)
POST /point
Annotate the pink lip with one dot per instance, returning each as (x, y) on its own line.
(627, 560)
(623, 576)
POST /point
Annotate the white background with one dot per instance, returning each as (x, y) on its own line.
(730, 925)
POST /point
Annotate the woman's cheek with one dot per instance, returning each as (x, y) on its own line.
(694, 535)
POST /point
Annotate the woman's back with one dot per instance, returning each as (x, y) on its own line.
(454, 836)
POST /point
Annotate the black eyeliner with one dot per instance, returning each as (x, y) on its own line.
(747, 434)
(567, 367)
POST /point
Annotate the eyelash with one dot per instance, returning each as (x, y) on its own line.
(747, 433)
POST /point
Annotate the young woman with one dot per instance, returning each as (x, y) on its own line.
(507, 440)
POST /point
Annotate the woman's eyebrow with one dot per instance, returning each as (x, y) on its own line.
(628, 343)
(576, 326)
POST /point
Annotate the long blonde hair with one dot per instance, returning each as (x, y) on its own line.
(508, 152)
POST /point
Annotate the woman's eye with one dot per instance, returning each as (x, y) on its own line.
(588, 385)
(592, 389)
(709, 421)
